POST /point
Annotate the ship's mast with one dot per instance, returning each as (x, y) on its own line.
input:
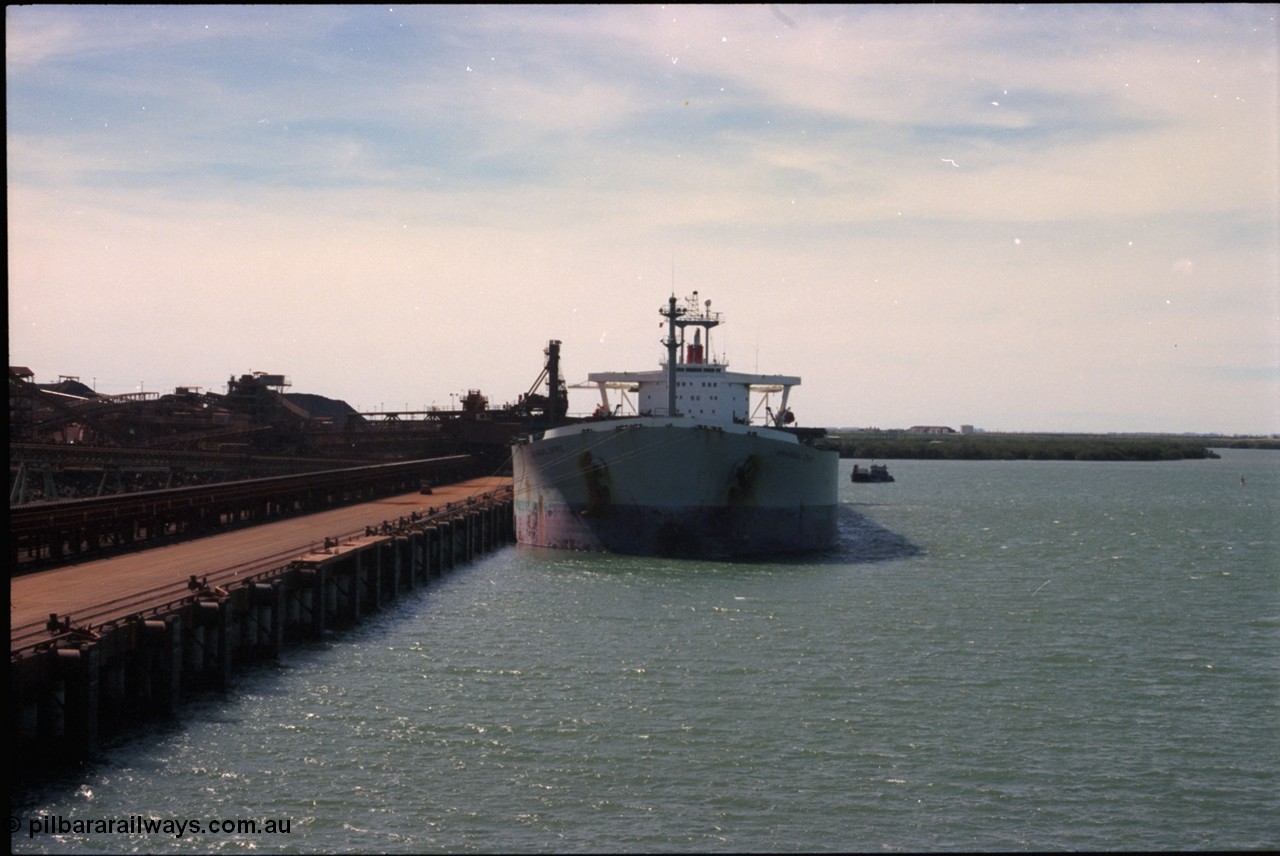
(671, 313)
(695, 315)
(682, 317)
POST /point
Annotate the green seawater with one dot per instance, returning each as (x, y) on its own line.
(1000, 656)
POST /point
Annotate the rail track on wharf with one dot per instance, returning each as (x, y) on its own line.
(91, 595)
(42, 534)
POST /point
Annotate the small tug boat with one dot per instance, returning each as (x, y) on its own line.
(876, 473)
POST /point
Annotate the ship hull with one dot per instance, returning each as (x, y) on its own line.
(674, 488)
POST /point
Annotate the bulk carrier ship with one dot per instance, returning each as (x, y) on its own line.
(690, 475)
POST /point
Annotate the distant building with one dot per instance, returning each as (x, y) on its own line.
(930, 429)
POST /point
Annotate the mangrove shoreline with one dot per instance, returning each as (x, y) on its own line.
(902, 445)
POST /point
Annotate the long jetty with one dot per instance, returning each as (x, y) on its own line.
(99, 647)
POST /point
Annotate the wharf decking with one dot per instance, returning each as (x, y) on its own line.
(89, 588)
(101, 646)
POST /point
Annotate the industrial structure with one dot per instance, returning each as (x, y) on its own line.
(68, 441)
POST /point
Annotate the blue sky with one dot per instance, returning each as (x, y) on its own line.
(1021, 218)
